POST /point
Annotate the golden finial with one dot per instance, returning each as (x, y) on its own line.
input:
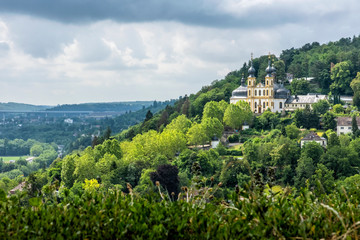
(269, 55)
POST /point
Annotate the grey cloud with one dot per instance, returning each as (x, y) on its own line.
(202, 12)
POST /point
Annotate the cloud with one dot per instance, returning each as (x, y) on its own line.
(213, 13)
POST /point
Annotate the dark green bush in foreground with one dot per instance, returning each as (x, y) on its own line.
(248, 214)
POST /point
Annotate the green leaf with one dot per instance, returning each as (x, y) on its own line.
(35, 201)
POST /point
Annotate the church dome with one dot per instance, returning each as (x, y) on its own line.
(282, 93)
(240, 92)
(251, 71)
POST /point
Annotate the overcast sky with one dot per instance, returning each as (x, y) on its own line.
(75, 51)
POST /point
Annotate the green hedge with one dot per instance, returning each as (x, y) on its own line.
(247, 215)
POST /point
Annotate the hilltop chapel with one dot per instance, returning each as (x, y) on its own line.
(270, 94)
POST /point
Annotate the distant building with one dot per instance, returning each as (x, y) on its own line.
(347, 99)
(270, 94)
(313, 137)
(69, 121)
(344, 125)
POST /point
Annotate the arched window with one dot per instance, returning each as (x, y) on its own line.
(263, 92)
(255, 93)
(249, 93)
(267, 92)
(264, 105)
(280, 105)
(249, 83)
(255, 104)
(259, 92)
(267, 82)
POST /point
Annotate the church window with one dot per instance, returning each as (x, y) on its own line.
(263, 92)
(255, 92)
(259, 92)
(267, 92)
(255, 104)
(267, 82)
(249, 93)
(267, 103)
(249, 83)
(280, 105)
(263, 104)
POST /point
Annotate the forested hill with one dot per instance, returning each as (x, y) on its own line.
(103, 107)
(311, 60)
(12, 106)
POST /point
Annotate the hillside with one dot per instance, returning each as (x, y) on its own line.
(12, 106)
(103, 107)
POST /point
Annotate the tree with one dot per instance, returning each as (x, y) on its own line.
(321, 106)
(333, 140)
(312, 150)
(167, 176)
(355, 85)
(324, 177)
(67, 171)
(36, 150)
(149, 114)
(232, 116)
(338, 108)
(292, 131)
(300, 87)
(236, 114)
(212, 109)
(181, 123)
(341, 77)
(197, 135)
(354, 126)
(304, 171)
(329, 121)
(213, 127)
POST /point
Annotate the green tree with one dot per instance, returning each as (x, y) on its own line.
(354, 126)
(341, 77)
(355, 85)
(338, 108)
(321, 106)
(292, 131)
(212, 109)
(67, 171)
(329, 121)
(36, 150)
(304, 171)
(181, 123)
(197, 135)
(322, 180)
(300, 87)
(312, 150)
(213, 127)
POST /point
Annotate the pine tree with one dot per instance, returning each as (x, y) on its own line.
(354, 126)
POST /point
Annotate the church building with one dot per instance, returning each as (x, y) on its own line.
(270, 94)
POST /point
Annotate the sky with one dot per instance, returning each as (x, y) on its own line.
(77, 51)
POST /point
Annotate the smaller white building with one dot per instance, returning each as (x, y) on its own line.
(313, 137)
(69, 121)
(344, 125)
